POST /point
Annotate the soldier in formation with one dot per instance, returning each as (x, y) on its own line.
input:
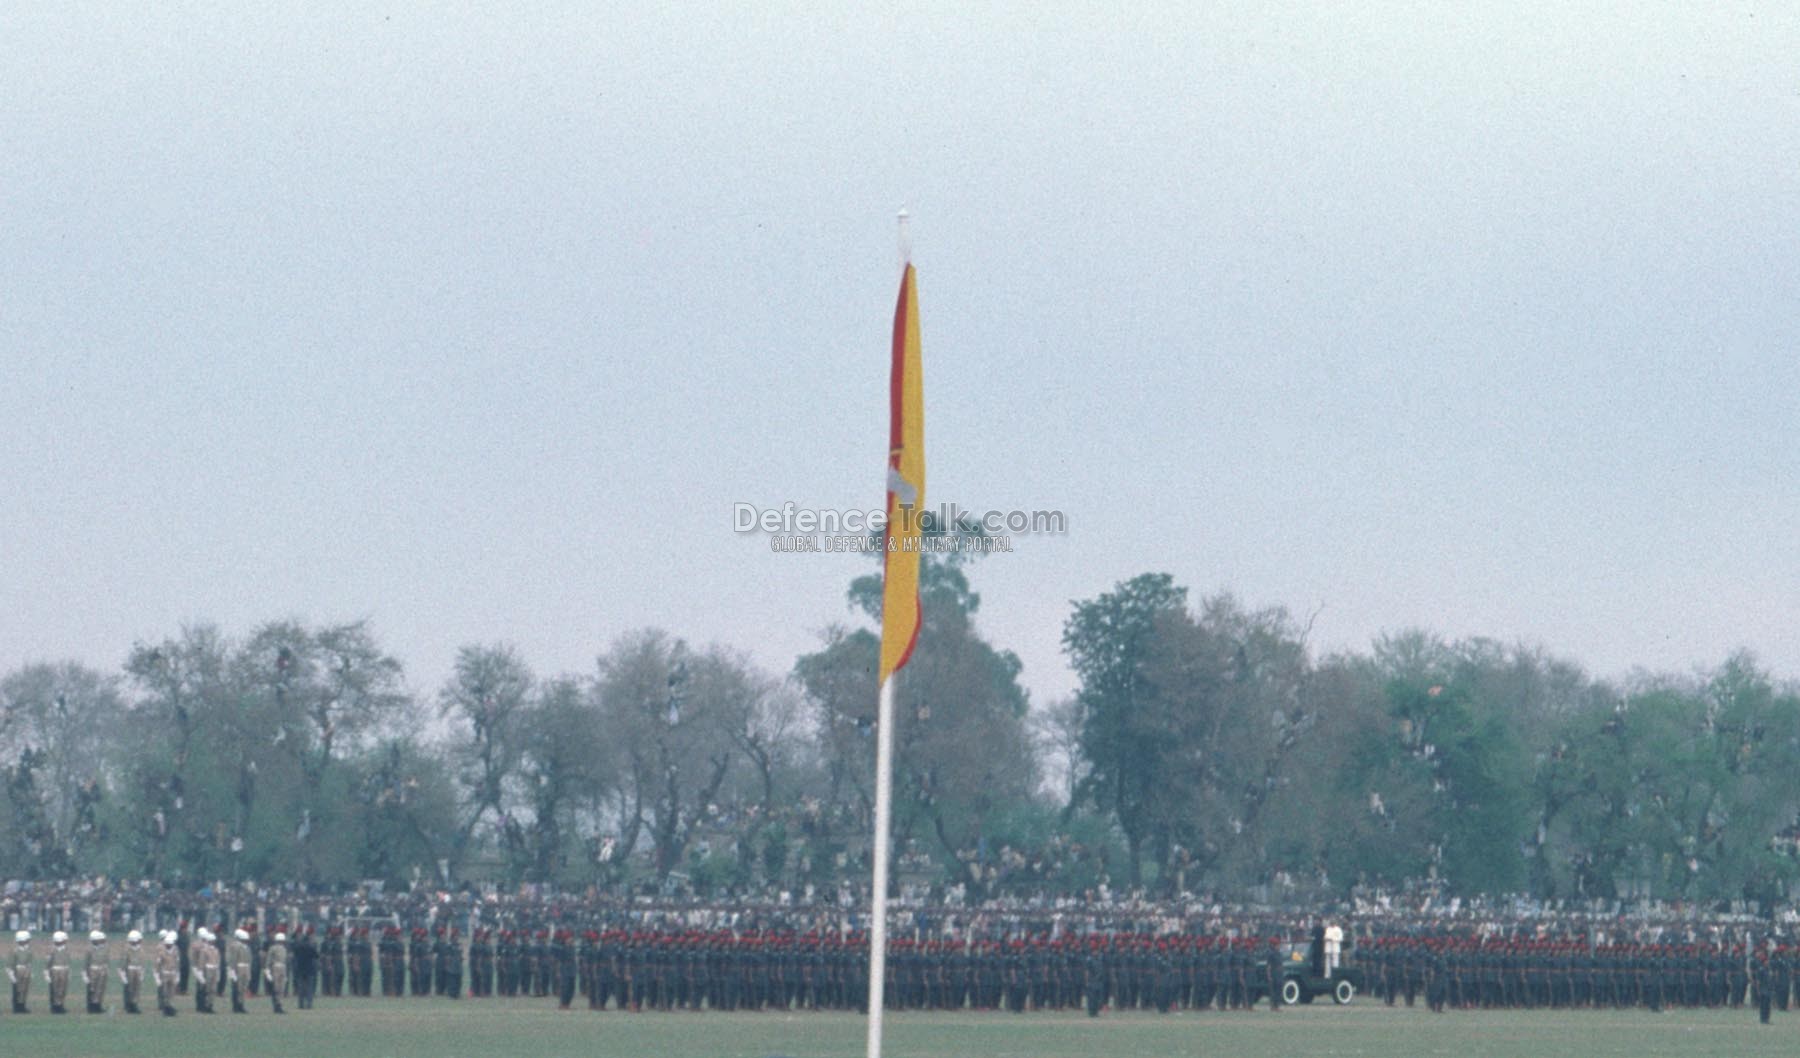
(1578, 972)
(237, 968)
(19, 972)
(331, 962)
(167, 973)
(131, 975)
(304, 955)
(93, 972)
(204, 964)
(275, 969)
(361, 950)
(56, 972)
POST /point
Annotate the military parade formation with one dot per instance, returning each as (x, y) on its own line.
(231, 967)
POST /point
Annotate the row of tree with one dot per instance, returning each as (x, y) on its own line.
(1207, 748)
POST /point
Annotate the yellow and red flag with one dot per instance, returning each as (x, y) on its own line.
(900, 613)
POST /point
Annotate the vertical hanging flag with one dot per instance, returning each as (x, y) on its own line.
(905, 486)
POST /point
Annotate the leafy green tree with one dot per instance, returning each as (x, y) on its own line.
(567, 763)
(182, 682)
(672, 711)
(484, 700)
(962, 750)
(1125, 744)
(57, 726)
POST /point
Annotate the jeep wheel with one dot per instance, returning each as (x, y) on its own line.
(1290, 992)
(1343, 993)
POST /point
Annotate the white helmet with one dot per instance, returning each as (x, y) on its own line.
(205, 934)
(97, 937)
(59, 937)
(240, 934)
(134, 937)
(280, 936)
(169, 937)
(23, 936)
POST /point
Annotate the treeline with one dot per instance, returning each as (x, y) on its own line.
(1207, 748)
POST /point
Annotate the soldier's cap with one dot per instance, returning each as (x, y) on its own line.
(280, 936)
(134, 937)
(23, 936)
(241, 934)
(59, 937)
(97, 937)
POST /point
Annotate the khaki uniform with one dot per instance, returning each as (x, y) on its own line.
(56, 969)
(20, 971)
(131, 978)
(275, 968)
(237, 967)
(203, 962)
(168, 977)
(95, 971)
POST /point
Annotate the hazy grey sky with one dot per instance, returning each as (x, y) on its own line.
(1475, 317)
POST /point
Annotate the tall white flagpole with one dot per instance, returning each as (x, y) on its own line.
(884, 782)
(884, 796)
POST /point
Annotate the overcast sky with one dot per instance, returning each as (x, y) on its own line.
(1480, 318)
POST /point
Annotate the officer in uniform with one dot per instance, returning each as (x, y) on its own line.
(56, 972)
(1761, 981)
(20, 971)
(237, 968)
(275, 968)
(131, 975)
(203, 962)
(362, 963)
(1272, 965)
(94, 972)
(305, 953)
(168, 974)
(506, 964)
(181, 949)
(331, 962)
(393, 962)
(450, 964)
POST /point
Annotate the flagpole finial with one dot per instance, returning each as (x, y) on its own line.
(905, 222)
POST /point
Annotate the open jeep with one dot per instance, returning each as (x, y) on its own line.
(1303, 976)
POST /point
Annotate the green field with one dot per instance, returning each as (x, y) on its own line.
(434, 1028)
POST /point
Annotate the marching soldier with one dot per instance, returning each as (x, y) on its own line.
(20, 971)
(237, 968)
(94, 971)
(275, 969)
(203, 963)
(56, 972)
(167, 973)
(131, 975)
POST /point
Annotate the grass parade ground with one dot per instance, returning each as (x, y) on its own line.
(429, 1028)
